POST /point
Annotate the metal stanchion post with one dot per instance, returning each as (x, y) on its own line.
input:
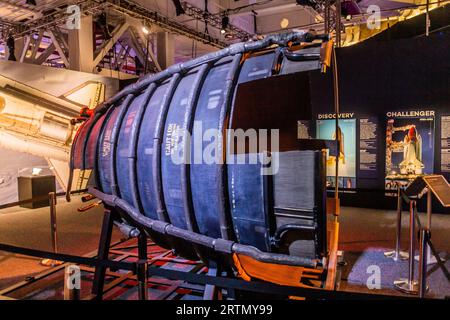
(430, 258)
(53, 230)
(53, 221)
(409, 285)
(424, 237)
(397, 253)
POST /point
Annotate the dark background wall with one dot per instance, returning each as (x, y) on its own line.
(400, 69)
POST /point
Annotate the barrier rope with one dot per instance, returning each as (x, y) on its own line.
(38, 198)
(94, 262)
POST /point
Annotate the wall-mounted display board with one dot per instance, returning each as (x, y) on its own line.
(368, 147)
(399, 101)
(445, 144)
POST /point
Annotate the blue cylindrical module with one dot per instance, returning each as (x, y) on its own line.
(163, 146)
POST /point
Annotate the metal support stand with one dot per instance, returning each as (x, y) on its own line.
(109, 217)
(211, 291)
(431, 259)
(53, 231)
(141, 273)
(424, 238)
(103, 252)
(409, 285)
(397, 254)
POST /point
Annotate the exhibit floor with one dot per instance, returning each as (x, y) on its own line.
(78, 233)
(364, 236)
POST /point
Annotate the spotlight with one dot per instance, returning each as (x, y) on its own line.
(31, 2)
(11, 47)
(225, 24)
(284, 23)
(145, 30)
(36, 171)
(178, 8)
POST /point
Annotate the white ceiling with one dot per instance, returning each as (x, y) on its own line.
(243, 14)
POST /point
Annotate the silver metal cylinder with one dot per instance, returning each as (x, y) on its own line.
(412, 237)
(424, 236)
(399, 223)
(429, 208)
(397, 254)
(409, 285)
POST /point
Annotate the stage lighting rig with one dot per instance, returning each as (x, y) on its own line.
(309, 3)
(11, 47)
(349, 9)
(225, 24)
(102, 23)
(178, 7)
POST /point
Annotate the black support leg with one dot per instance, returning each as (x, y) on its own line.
(212, 292)
(142, 266)
(103, 252)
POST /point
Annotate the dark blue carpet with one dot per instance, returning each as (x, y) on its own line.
(355, 273)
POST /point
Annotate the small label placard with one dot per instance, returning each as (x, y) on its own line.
(440, 188)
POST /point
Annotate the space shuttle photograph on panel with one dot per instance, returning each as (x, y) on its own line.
(36, 127)
(326, 129)
(409, 145)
